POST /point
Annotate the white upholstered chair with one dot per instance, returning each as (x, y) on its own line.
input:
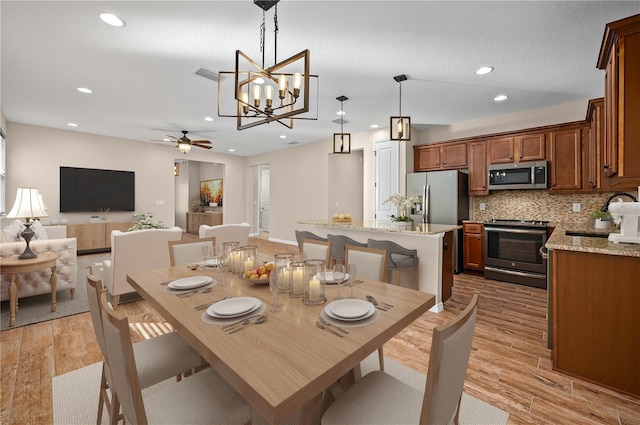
(379, 398)
(226, 233)
(188, 251)
(314, 249)
(159, 358)
(204, 397)
(134, 251)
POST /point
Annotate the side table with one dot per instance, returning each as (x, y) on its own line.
(13, 265)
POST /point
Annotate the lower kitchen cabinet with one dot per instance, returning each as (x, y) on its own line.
(473, 237)
(596, 318)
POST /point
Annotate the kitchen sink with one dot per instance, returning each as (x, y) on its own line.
(586, 234)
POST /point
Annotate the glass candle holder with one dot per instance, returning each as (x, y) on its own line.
(283, 269)
(236, 260)
(297, 270)
(227, 249)
(249, 258)
(314, 282)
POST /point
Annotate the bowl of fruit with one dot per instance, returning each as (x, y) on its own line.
(259, 275)
(341, 218)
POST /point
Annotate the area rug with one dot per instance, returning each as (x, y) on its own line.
(75, 396)
(38, 308)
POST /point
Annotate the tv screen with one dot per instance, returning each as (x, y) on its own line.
(88, 189)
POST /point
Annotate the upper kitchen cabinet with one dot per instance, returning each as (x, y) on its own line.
(565, 159)
(520, 148)
(620, 58)
(596, 174)
(478, 168)
(440, 157)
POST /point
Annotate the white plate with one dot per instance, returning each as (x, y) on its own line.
(211, 262)
(190, 282)
(350, 309)
(233, 307)
(328, 278)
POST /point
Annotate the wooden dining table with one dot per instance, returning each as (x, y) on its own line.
(285, 364)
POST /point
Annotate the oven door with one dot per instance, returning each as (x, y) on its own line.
(513, 254)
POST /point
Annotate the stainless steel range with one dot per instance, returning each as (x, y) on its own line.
(512, 251)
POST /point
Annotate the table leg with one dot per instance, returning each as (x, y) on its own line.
(311, 411)
(54, 283)
(13, 298)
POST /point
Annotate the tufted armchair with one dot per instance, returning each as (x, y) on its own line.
(36, 283)
(134, 251)
(226, 233)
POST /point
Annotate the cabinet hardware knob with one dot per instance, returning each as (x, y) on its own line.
(605, 166)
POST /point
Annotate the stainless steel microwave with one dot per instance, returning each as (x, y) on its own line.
(520, 175)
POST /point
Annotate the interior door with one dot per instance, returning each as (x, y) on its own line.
(385, 180)
(263, 196)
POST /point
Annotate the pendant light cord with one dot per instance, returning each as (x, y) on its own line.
(400, 113)
(275, 34)
(262, 36)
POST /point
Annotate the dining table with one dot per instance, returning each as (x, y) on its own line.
(285, 364)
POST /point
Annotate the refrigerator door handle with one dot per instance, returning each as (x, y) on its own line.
(425, 206)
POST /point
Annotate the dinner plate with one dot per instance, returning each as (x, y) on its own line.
(212, 262)
(233, 307)
(190, 282)
(328, 278)
(349, 309)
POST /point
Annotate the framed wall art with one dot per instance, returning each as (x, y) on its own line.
(211, 192)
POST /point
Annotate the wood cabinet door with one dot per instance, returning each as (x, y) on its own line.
(473, 248)
(610, 164)
(88, 236)
(565, 160)
(530, 147)
(448, 261)
(454, 156)
(478, 168)
(501, 150)
(428, 158)
(122, 226)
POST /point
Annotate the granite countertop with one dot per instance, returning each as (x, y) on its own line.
(385, 226)
(596, 245)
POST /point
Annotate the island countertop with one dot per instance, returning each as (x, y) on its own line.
(595, 245)
(385, 226)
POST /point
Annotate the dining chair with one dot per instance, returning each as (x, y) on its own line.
(204, 397)
(370, 264)
(317, 249)
(160, 358)
(189, 251)
(399, 259)
(304, 234)
(381, 398)
(338, 243)
(230, 232)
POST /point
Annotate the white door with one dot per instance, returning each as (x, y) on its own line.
(265, 206)
(385, 179)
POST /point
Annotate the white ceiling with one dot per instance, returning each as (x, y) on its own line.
(544, 53)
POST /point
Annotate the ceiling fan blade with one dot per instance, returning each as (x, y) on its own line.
(201, 146)
(201, 141)
(173, 137)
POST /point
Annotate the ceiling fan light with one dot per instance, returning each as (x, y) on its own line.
(184, 147)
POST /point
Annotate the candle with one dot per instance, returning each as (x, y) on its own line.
(248, 264)
(298, 276)
(283, 278)
(315, 294)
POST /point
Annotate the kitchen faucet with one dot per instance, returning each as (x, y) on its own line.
(605, 207)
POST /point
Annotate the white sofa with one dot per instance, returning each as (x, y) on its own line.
(134, 251)
(36, 283)
(226, 233)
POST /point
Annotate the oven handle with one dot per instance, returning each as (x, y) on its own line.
(516, 273)
(544, 252)
(513, 230)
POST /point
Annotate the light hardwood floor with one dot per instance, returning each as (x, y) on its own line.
(510, 366)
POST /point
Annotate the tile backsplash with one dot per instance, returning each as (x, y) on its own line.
(539, 205)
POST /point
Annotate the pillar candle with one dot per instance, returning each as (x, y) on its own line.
(298, 276)
(314, 290)
(248, 264)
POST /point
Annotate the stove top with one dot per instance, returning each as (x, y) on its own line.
(519, 223)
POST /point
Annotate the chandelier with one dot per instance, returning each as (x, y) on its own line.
(400, 127)
(262, 95)
(342, 140)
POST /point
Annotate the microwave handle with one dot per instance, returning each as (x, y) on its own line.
(425, 206)
(533, 175)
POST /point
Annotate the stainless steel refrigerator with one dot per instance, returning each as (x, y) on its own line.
(444, 199)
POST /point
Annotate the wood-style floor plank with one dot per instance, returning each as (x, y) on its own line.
(510, 366)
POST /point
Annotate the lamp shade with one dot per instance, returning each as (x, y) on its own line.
(28, 204)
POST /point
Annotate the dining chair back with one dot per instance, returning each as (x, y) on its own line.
(338, 244)
(189, 251)
(381, 398)
(370, 262)
(304, 234)
(317, 249)
(204, 397)
(399, 259)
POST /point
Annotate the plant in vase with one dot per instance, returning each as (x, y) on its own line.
(196, 204)
(145, 220)
(403, 204)
(603, 219)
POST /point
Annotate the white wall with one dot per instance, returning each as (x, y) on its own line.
(34, 155)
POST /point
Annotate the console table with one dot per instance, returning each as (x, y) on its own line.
(194, 220)
(14, 265)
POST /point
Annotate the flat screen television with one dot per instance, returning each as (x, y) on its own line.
(88, 189)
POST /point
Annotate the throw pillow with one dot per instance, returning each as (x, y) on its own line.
(11, 232)
(41, 233)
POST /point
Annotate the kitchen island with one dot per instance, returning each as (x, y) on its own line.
(434, 243)
(594, 318)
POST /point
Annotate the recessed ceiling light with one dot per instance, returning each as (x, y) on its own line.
(283, 136)
(484, 70)
(341, 113)
(208, 119)
(374, 126)
(111, 19)
(500, 97)
(84, 90)
(72, 124)
(232, 150)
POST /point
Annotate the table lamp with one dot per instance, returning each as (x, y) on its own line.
(28, 205)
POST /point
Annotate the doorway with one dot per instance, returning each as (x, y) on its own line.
(264, 206)
(385, 179)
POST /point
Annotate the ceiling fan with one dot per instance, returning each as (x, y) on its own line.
(185, 144)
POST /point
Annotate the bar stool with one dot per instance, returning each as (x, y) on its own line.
(399, 259)
(338, 244)
(303, 234)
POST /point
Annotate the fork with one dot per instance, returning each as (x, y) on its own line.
(333, 331)
(247, 322)
(195, 291)
(327, 324)
(375, 303)
(206, 305)
(379, 302)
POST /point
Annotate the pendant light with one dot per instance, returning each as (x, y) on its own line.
(400, 126)
(342, 140)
